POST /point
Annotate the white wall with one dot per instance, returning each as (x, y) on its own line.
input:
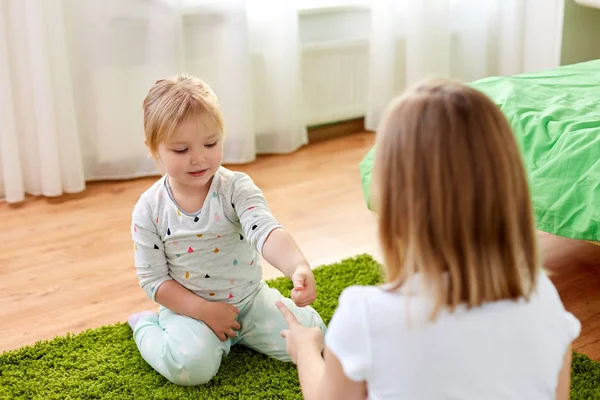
(581, 32)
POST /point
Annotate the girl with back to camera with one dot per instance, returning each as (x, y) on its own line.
(466, 311)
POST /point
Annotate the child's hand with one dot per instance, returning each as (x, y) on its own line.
(298, 336)
(305, 288)
(221, 318)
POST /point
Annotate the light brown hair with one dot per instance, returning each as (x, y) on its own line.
(172, 101)
(452, 198)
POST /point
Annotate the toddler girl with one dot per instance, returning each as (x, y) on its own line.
(466, 311)
(198, 234)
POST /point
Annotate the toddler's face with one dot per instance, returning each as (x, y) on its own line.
(193, 154)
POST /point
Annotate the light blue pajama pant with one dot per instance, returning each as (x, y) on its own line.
(187, 352)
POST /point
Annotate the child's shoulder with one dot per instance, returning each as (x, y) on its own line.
(152, 195)
(228, 180)
(357, 296)
(227, 176)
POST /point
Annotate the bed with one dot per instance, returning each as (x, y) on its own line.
(555, 115)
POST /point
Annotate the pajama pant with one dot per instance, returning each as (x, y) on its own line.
(187, 352)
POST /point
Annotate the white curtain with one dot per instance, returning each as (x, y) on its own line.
(40, 151)
(460, 39)
(73, 75)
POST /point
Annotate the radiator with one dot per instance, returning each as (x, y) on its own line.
(334, 80)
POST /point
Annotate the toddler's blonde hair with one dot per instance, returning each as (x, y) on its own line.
(453, 199)
(173, 101)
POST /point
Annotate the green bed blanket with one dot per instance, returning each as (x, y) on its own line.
(555, 115)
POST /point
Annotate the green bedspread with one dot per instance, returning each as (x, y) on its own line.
(555, 115)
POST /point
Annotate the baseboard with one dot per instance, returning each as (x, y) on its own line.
(335, 129)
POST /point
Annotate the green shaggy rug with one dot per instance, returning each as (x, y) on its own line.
(104, 362)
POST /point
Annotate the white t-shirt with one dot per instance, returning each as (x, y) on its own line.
(502, 350)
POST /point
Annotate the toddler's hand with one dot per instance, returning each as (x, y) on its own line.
(221, 318)
(305, 288)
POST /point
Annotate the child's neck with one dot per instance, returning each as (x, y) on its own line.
(188, 198)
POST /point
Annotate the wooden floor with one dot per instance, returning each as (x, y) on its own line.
(66, 264)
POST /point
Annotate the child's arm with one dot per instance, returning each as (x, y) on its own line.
(220, 317)
(149, 253)
(270, 240)
(153, 275)
(319, 378)
(564, 377)
(281, 251)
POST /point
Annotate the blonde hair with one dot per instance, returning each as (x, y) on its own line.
(453, 199)
(173, 101)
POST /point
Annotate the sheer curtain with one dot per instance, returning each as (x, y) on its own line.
(40, 151)
(459, 39)
(73, 75)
